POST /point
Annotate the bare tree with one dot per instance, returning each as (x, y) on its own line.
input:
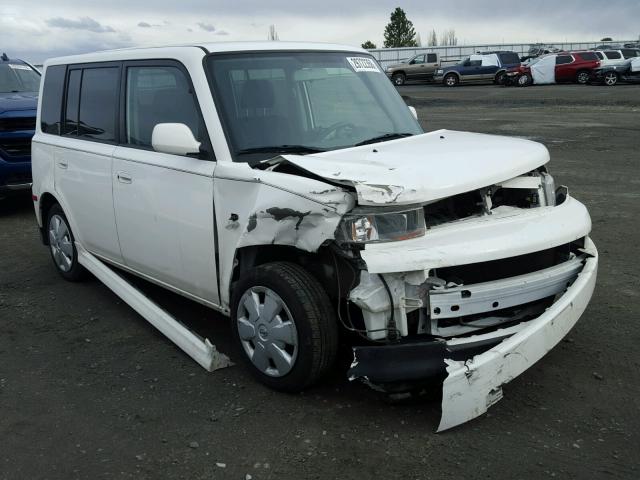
(432, 40)
(273, 34)
(448, 38)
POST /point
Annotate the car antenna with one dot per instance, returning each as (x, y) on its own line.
(4, 57)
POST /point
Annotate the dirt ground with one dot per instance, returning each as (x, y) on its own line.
(89, 390)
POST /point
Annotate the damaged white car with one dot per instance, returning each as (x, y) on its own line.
(288, 186)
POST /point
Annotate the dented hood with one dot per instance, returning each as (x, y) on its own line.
(426, 167)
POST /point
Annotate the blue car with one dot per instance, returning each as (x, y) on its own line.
(19, 85)
(483, 67)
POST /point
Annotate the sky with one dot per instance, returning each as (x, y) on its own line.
(38, 29)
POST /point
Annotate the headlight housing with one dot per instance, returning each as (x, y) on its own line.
(382, 226)
(439, 72)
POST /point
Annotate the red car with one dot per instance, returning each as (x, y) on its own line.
(570, 67)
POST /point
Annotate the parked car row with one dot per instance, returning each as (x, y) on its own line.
(543, 65)
(576, 67)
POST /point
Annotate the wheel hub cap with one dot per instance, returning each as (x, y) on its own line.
(267, 331)
(60, 243)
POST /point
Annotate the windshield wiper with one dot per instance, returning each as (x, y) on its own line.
(386, 136)
(281, 149)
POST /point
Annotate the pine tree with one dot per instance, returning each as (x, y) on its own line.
(399, 32)
(368, 45)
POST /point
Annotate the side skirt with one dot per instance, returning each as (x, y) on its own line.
(201, 350)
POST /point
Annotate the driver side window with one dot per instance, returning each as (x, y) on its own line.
(418, 60)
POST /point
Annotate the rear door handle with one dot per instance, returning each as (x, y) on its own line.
(124, 177)
(63, 165)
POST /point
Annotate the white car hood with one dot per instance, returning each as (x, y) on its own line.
(426, 167)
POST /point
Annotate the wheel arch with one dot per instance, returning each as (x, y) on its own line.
(47, 200)
(326, 265)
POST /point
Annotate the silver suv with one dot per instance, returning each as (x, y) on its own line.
(421, 67)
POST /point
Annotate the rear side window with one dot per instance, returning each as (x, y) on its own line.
(156, 95)
(432, 58)
(51, 107)
(563, 59)
(613, 55)
(98, 103)
(588, 56)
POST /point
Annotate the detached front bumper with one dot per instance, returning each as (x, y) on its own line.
(477, 366)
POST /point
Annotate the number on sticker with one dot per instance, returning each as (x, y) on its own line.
(362, 64)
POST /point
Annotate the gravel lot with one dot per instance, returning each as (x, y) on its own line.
(89, 390)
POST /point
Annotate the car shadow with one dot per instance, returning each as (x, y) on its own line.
(15, 204)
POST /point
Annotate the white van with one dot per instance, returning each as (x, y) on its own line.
(288, 186)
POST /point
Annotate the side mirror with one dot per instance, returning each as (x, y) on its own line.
(413, 112)
(174, 138)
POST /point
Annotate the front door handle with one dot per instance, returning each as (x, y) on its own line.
(124, 177)
(63, 165)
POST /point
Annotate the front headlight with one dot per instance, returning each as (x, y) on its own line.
(440, 72)
(382, 226)
(549, 188)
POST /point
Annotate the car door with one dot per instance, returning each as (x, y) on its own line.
(164, 202)
(417, 69)
(431, 65)
(470, 71)
(83, 164)
(564, 70)
(488, 68)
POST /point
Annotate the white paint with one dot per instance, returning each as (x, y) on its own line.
(472, 386)
(427, 167)
(508, 232)
(174, 138)
(201, 350)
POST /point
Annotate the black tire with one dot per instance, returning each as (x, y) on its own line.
(499, 78)
(312, 314)
(398, 79)
(583, 77)
(76, 272)
(450, 80)
(524, 80)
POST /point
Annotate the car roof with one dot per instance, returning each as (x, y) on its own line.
(215, 47)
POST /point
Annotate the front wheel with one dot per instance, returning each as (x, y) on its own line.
(62, 246)
(583, 77)
(499, 79)
(610, 79)
(525, 80)
(285, 326)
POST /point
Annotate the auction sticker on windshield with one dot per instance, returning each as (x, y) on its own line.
(363, 64)
(18, 67)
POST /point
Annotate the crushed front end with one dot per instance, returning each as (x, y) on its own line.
(475, 294)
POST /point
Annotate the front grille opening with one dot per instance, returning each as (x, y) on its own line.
(16, 147)
(17, 124)
(507, 267)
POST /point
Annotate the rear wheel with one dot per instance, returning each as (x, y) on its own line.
(284, 325)
(398, 78)
(583, 77)
(610, 79)
(451, 80)
(62, 245)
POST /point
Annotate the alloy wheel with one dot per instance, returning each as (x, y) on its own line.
(611, 79)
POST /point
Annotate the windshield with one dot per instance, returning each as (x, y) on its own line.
(304, 102)
(18, 77)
